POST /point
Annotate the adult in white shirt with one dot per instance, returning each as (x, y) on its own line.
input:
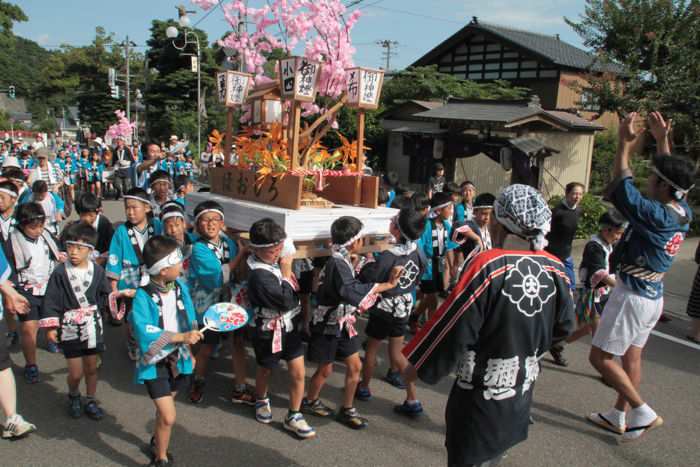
(151, 157)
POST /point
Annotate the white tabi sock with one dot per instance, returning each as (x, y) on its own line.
(641, 416)
(614, 416)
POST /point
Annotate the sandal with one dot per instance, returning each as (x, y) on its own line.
(635, 433)
(599, 420)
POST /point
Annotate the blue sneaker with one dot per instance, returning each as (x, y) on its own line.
(412, 410)
(52, 347)
(363, 394)
(263, 412)
(75, 409)
(93, 410)
(394, 378)
(31, 374)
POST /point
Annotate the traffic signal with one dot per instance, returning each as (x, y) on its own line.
(11, 92)
(115, 92)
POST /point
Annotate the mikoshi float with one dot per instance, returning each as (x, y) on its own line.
(280, 168)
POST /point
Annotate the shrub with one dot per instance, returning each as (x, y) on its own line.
(592, 207)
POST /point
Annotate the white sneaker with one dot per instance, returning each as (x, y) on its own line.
(17, 427)
(297, 424)
(263, 412)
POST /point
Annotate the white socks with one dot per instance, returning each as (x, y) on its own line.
(641, 416)
(614, 416)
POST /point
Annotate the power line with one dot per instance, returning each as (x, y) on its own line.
(413, 13)
(211, 10)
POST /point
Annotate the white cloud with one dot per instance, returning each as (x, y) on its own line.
(535, 15)
(43, 39)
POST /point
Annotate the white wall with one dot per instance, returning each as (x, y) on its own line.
(571, 164)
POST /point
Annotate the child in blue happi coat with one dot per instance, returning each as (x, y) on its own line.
(435, 242)
(183, 187)
(124, 267)
(93, 174)
(214, 258)
(165, 327)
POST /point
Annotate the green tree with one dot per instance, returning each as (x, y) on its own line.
(10, 14)
(426, 83)
(423, 83)
(90, 64)
(171, 91)
(604, 150)
(656, 42)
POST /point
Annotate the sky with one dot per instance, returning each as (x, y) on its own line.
(417, 26)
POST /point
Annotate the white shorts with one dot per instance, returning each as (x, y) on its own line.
(628, 319)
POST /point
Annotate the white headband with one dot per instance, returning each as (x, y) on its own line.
(352, 240)
(218, 211)
(663, 177)
(432, 214)
(158, 180)
(8, 192)
(265, 245)
(73, 242)
(173, 213)
(137, 198)
(175, 257)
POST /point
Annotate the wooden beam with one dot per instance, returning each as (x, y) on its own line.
(360, 140)
(295, 124)
(228, 136)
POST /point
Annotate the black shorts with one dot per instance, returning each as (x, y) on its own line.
(34, 308)
(430, 286)
(292, 347)
(381, 328)
(76, 350)
(211, 338)
(165, 384)
(306, 282)
(5, 361)
(325, 348)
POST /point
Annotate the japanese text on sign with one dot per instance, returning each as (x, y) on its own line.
(353, 86)
(287, 74)
(369, 94)
(237, 86)
(221, 86)
(306, 79)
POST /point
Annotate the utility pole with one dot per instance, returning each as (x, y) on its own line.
(128, 80)
(388, 53)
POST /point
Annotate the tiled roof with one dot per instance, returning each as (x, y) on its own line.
(505, 112)
(551, 48)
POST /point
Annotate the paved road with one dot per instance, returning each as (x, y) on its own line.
(219, 434)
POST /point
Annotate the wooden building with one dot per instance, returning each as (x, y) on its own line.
(492, 143)
(553, 69)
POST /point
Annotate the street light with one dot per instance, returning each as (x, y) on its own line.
(190, 38)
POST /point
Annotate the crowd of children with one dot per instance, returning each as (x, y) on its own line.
(159, 271)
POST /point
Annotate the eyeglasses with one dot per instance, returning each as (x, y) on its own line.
(210, 220)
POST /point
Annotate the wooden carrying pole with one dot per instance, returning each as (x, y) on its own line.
(295, 127)
(360, 140)
(228, 137)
